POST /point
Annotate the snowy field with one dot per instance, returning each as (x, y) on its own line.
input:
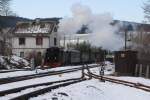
(88, 90)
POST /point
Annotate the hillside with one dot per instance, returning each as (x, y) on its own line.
(10, 21)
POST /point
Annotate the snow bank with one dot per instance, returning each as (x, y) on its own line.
(19, 61)
(12, 62)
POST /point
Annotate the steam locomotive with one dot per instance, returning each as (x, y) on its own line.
(55, 57)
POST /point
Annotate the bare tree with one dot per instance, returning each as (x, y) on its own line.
(5, 8)
(5, 38)
(146, 9)
(5, 32)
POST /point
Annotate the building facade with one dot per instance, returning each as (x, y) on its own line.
(34, 37)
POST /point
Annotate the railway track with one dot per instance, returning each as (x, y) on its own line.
(48, 88)
(118, 81)
(6, 71)
(26, 77)
(18, 89)
(56, 84)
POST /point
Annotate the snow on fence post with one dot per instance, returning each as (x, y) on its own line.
(136, 70)
(140, 71)
(147, 71)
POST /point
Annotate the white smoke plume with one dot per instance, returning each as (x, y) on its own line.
(102, 33)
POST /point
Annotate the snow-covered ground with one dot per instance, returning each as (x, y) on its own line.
(40, 80)
(88, 90)
(95, 90)
(35, 81)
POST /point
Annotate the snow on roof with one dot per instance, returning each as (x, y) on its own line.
(35, 27)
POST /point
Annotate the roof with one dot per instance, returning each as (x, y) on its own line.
(35, 27)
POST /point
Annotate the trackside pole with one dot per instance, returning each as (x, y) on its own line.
(136, 70)
(140, 74)
(101, 72)
(147, 71)
(83, 75)
(89, 73)
(90, 76)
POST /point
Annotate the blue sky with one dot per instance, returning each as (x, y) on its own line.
(130, 10)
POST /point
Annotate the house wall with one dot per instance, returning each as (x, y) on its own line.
(30, 42)
(52, 36)
(30, 45)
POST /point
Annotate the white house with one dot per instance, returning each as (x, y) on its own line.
(34, 37)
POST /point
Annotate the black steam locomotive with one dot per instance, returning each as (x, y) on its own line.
(56, 56)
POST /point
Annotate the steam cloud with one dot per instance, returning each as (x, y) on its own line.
(101, 32)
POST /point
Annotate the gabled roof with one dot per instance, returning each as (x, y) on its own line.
(35, 27)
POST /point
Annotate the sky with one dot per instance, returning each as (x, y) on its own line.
(127, 10)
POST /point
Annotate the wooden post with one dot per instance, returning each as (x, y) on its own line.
(90, 76)
(125, 40)
(136, 70)
(147, 71)
(83, 72)
(32, 63)
(140, 71)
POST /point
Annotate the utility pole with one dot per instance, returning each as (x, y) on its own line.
(127, 29)
(125, 41)
(64, 41)
(77, 42)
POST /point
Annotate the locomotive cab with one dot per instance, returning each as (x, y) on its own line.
(53, 57)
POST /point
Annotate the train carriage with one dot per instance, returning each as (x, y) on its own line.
(56, 56)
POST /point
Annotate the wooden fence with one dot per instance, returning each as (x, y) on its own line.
(143, 69)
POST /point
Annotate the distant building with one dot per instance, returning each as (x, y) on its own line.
(33, 37)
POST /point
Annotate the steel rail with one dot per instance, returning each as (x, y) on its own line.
(118, 81)
(26, 77)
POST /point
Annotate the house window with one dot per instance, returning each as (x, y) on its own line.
(42, 25)
(55, 29)
(21, 54)
(21, 41)
(55, 41)
(39, 41)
